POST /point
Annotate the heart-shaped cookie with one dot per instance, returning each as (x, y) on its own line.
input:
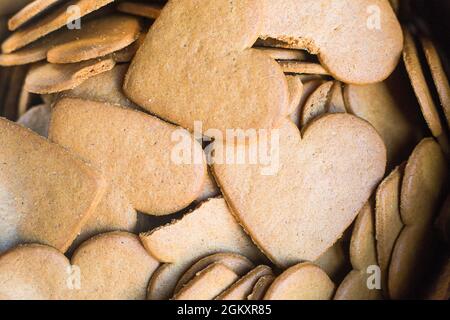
(134, 150)
(327, 28)
(47, 194)
(219, 80)
(317, 185)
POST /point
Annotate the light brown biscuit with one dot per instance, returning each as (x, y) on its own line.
(309, 86)
(316, 104)
(335, 261)
(378, 104)
(30, 11)
(388, 221)
(295, 86)
(210, 189)
(146, 10)
(208, 284)
(104, 87)
(34, 272)
(331, 35)
(161, 285)
(299, 221)
(97, 38)
(209, 229)
(243, 287)
(127, 54)
(37, 119)
(261, 287)
(284, 54)
(303, 281)
(336, 103)
(52, 22)
(439, 76)
(362, 256)
(52, 78)
(302, 67)
(47, 194)
(134, 150)
(423, 182)
(422, 91)
(235, 262)
(113, 266)
(221, 81)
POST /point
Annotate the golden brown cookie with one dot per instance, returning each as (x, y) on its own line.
(34, 272)
(303, 281)
(29, 12)
(47, 194)
(242, 288)
(388, 221)
(221, 81)
(104, 87)
(378, 104)
(113, 266)
(97, 38)
(52, 22)
(362, 256)
(261, 287)
(302, 67)
(422, 91)
(37, 119)
(146, 10)
(439, 76)
(299, 221)
(134, 150)
(209, 229)
(52, 78)
(235, 262)
(208, 283)
(283, 54)
(423, 182)
(375, 49)
(301, 212)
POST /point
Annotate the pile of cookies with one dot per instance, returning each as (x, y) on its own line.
(109, 190)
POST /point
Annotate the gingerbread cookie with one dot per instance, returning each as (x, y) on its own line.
(146, 10)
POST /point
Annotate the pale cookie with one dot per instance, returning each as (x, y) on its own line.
(439, 76)
(52, 78)
(303, 281)
(316, 104)
(388, 221)
(37, 119)
(146, 10)
(47, 194)
(52, 22)
(97, 38)
(335, 261)
(295, 86)
(309, 86)
(235, 262)
(261, 287)
(242, 288)
(378, 104)
(30, 11)
(113, 266)
(221, 81)
(336, 103)
(209, 229)
(337, 152)
(34, 272)
(208, 284)
(283, 54)
(134, 150)
(363, 255)
(422, 91)
(366, 56)
(302, 67)
(423, 182)
(105, 87)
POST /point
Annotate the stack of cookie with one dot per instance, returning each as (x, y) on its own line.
(228, 150)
